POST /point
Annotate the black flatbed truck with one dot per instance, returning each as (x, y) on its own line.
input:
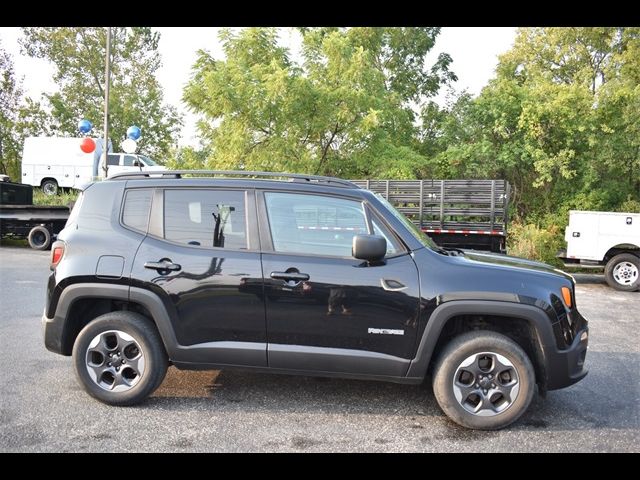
(20, 219)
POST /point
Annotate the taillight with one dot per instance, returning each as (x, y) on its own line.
(57, 252)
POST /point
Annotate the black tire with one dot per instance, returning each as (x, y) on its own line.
(50, 187)
(631, 276)
(145, 335)
(39, 238)
(462, 348)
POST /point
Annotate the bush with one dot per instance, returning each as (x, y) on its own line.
(630, 205)
(535, 243)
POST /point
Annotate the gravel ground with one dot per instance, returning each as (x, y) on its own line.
(43, 408)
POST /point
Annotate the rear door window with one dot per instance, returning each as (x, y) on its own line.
(206, 218)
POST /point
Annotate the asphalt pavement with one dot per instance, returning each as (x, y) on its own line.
(43, 408)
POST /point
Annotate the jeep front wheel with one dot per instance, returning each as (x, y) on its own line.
(119, 358)
(483, 380)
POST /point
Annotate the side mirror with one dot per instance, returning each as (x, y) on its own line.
(371, 248)
(137, 163)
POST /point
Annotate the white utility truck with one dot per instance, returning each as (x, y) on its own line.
(605, 239)
(58, 162)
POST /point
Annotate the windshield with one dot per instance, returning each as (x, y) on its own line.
(148, 161)
(417, 233)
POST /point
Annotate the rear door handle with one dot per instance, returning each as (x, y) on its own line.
(163, 264)
(288, 276)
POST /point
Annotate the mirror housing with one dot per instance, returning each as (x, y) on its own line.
(371, 248)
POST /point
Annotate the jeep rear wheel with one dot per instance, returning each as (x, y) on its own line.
(119, 358)
(483, 380)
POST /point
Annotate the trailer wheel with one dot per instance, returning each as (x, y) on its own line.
(622, 272)
(39, 238)
(50, 187)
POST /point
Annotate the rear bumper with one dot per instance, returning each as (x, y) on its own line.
(52, 331)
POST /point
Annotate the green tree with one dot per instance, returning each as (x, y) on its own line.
(347, 108)
(10, 98)
(136, 97)
(559, 121)
(19, 117)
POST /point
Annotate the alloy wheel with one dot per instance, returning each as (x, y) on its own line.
(486, 384)
(115, 361)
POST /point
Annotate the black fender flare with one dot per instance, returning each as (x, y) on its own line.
(536, 317)
(114, 291)
(57, 328)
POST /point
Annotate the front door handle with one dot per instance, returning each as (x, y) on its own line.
(290, 276)
(164, 264)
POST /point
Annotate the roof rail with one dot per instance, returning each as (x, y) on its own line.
(299, 177)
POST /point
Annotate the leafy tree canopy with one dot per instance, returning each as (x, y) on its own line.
(136, 98)
(345, 108)
(19, 117)
(560, 121)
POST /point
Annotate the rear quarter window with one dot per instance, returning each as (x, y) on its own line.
(137, 205)
(75, 210)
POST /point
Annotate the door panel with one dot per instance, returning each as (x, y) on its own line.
(351, 316)
(214, 295)
(341, 302)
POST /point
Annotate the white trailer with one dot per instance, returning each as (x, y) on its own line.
(605, 239)
(55, 162)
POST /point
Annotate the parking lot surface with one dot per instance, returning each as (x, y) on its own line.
(43, 408)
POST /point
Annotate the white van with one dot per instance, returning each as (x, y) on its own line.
(57, 162)
(605, 239)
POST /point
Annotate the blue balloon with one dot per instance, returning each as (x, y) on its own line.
(133, 132)
(84, 126)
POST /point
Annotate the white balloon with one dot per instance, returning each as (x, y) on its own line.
(129, 145)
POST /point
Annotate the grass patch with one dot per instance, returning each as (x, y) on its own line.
(13, 242)
(63, 198)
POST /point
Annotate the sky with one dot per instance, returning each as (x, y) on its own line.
(474, 51)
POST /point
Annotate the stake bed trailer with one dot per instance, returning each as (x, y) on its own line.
(454, 213)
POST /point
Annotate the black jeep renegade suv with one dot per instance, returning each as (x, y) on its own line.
(299, 274)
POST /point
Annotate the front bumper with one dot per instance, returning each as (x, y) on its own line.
(566, 367)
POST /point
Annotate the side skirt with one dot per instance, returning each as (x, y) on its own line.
(306, 373)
